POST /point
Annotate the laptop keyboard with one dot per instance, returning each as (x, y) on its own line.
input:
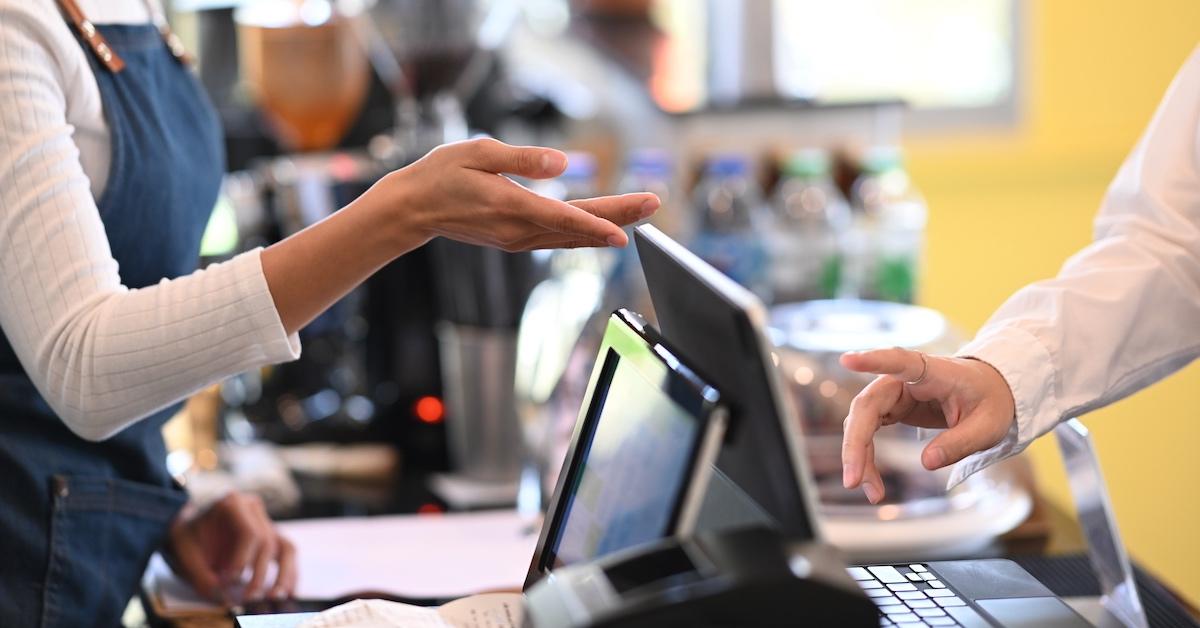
(913, 596)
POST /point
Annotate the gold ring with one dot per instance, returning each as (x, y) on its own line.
(924, 370)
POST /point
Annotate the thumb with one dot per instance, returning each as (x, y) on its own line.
(534, 162)
(974, 433)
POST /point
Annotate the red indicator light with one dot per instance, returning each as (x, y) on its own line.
(429, 509)
(430, 410)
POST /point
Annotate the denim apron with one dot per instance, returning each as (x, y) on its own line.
(79, 520)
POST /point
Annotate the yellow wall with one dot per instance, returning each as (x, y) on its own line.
(1008, 206)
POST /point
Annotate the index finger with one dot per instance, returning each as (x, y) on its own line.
(490, 155)
(903, 363)
(935, 375)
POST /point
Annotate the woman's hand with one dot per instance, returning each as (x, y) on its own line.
(212, 549)
(968, 397)
(458, 191)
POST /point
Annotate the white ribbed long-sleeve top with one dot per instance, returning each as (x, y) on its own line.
(102, 355)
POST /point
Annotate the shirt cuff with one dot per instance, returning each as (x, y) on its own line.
(275, 343)
(1028, 368)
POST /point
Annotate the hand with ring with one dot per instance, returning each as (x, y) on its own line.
(968, 398)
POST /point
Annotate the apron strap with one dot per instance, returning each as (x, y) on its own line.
(105, 53)
(174, 44)
(94, 39)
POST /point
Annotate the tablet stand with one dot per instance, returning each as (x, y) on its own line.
(1109, 559)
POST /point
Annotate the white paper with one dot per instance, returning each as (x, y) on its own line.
(495, 610)
(414, 556)
(376, 614)
(492, 610)
(438, 556)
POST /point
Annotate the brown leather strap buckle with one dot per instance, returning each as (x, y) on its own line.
(175, 45)
(94, 39)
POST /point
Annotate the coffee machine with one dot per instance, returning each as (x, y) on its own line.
(388, 362)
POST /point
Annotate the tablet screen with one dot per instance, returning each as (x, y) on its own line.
(626, 489)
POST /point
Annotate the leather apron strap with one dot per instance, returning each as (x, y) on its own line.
(104, 52)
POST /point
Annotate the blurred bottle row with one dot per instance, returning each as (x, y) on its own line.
(799, 227)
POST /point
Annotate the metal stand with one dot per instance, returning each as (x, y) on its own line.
(1106, 550)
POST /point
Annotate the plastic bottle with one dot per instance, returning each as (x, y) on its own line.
(651, 170)
(883, 250)
(807, 219)
(727, 205)
(579, 179)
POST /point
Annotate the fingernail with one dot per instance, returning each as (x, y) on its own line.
(278, 595)
(846, 476)
(874, 494)
(553, 162)
(614, 241)
(935, 458)
(648, 206)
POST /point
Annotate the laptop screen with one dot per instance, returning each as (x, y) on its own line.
(638, 464)
(632, 470)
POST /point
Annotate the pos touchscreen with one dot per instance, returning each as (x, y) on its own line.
(648, 433)
(720, 329)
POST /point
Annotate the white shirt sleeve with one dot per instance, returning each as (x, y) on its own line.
(101, 354)
(1123, 312)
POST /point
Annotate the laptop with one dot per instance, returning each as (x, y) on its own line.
(719, 329)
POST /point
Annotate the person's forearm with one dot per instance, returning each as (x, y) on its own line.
(309, 271)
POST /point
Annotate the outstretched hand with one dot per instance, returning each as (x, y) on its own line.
(459, 191)
(967, 397)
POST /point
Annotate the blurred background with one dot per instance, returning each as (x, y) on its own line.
(881, 172)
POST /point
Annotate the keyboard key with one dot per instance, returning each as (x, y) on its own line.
(920, 603)
(915, 577)
(870, 584)
(910, 595)
(937, 584)
(931, 612)
(939, 592)
(904, 586)
(912, 624)
(939, 621)
(928, 576)
(899, 619)
(945, 602)
(858, 573)
(917, 568)
(886, 601)
(887, 574)
(877, 592)
(893, 609)
(967, 617)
